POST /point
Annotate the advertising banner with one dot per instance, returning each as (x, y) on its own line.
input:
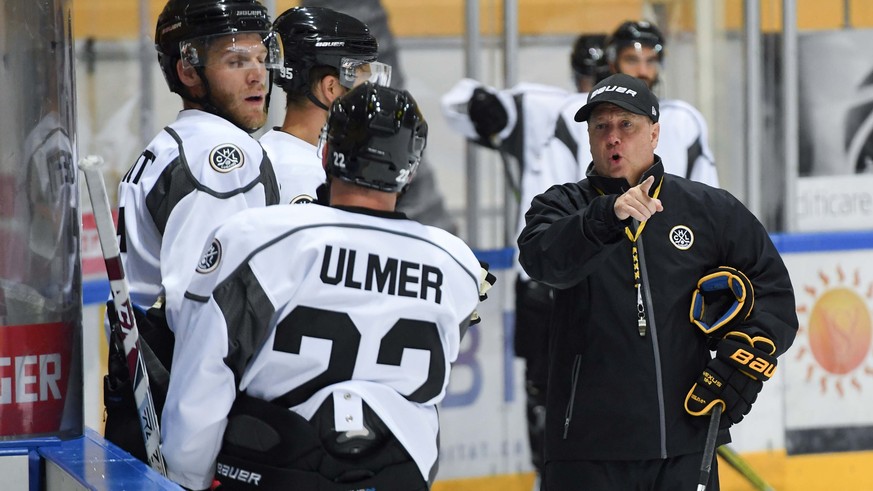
(836, 131)
(35, 366)
(829, 369)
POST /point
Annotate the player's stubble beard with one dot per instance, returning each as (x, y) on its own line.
(239, 111)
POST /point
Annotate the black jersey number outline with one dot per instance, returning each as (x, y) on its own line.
(132, 176)
(339, 328)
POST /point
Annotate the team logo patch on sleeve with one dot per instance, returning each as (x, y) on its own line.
(210, 258)
(681, 237)
(226, 157)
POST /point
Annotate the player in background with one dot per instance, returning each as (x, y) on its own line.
(637, 48)
(321, 368)
(423, 201)
(326, 54)
(195, 174)
(518, 122)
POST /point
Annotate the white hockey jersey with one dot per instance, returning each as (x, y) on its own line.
(532, 114)
(297, 164)
(531, 111)
(683, 143)
(192, 176)
(297, 304)
(557, 162)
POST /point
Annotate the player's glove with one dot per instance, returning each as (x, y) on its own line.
(733, 378)
(724, 298)
(487, 114)
(486, 281)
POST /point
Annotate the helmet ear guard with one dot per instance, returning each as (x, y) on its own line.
(724, 297)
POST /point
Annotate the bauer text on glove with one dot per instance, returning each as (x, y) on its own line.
(733, 378)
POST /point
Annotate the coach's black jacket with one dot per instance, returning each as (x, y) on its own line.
(612, 393)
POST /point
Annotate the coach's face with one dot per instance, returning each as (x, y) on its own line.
(622, 143)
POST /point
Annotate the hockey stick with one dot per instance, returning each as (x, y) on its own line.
(709, 448)
(125, 328)
(740, 465)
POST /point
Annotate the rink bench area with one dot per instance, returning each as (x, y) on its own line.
(88, 462)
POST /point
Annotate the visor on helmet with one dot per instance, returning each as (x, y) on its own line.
(236, 51)
(355, 72)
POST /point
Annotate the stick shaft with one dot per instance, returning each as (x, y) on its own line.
(126, 328)
(709, 447)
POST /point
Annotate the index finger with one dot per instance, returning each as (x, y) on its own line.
(646, 185)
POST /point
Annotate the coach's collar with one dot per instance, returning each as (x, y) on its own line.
(619, 185)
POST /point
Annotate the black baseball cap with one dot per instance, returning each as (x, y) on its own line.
(625, 92)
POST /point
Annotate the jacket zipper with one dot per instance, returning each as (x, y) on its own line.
(659, 380)
(568, 415)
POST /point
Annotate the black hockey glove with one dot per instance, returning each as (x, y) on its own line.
(486, 281)
(487, 114)
(723, 299)
(733, 378)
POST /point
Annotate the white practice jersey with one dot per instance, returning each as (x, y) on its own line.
(532, 114)
(297, 164)
(192, 176)
(531, 111)
(296, 304)
(683, 143)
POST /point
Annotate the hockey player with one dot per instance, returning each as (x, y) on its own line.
(423, 201)
(637, 49)
(518, 122)
(326, 54)
(623, 250)
(195, 174)
(319, 339)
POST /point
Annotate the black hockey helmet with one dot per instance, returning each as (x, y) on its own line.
(587, 57)
(632, 33)
(318, 36)
(182, 22)
(374, 137)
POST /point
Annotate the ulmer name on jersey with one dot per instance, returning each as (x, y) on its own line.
(390, 276)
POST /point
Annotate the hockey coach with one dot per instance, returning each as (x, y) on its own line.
(632, 379)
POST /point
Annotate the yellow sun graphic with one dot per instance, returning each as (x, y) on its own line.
(837, 324)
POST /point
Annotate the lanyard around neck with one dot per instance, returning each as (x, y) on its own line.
(633, 236)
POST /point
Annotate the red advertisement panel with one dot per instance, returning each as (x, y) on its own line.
(35, 364)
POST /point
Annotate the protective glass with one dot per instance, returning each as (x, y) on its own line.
(355, 72)
(235, 51)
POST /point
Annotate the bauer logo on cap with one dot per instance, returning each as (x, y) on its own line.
(625, 92)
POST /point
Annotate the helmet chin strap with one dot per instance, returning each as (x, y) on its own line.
(314, 100)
